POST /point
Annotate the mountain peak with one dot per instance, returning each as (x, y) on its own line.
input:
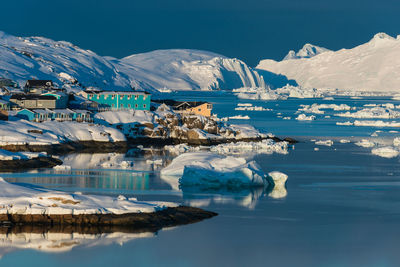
(308, 51)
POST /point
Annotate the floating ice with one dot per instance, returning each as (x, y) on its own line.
(304, 117)
(386, 152)
(324, 142)
(365, 143)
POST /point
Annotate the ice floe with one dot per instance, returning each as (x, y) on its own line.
(324, 142)
(304, 117)
(213, 170)
(365, 143)
(386, 152)
(17, 199)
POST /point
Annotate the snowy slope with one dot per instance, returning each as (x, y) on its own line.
(373, 66)
(307, 51)
(23, 58)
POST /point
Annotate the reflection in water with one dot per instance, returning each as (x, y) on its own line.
(61, 239)
(112, 179)
(247, 197)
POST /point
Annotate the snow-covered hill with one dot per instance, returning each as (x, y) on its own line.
(373, 66)
(23, 58)
(307, 51)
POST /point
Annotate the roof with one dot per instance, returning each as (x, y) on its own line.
(178, 104)
(39, 83)
(32, 97)
(119, 92)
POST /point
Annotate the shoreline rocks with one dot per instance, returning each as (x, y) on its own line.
(34, 163)
(154, 221)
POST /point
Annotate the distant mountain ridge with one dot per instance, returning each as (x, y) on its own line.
(373, 66)
(23, 58)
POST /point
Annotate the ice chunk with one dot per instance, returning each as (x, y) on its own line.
(386, 152)
(304, 117)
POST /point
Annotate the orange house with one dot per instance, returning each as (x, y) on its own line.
(197, 108)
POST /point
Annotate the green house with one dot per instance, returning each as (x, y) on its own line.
(120, 100)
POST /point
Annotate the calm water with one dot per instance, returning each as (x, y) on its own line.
(341, 207)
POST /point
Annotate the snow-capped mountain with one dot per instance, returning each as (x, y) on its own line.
(23, 58)
(307, 51)
(373, 66)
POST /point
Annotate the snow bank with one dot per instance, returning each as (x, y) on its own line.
(125, 116)
(16, 199)
(23, 132)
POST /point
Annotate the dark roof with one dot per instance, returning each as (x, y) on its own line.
(38, 83)
(33, 97)
(178, 104)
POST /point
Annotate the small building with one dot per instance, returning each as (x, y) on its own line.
(37, 115)
(40, 115)
(34, 101)
(61, 98)
(189, 107)
(38, 86)
(4, 108)
(119, 100)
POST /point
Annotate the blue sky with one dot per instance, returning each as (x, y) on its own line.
(250, 30)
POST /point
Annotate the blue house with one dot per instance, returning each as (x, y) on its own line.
(37, 115)
(120, 100)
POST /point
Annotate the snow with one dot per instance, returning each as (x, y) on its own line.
(324, 142)
(239, 117)
(16, 199)
(373, 66)
(125, 116)
(304, 117)
(205, 168)
(316, 108)
(8, 155)
(344, 141)
(372, 113)
(181, 148)
(267, 146)
(70, 66)
(365, 143)
(386, 152)
(307, 51)
(54, 132)
(244, 131)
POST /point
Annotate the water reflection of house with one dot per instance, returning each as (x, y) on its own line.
(189, 107)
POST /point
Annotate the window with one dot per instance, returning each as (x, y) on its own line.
(113, 96)
(209, 106)
(112, 105)
(129, 105)
(90, 95)
(199, 109)
(122, 105)
(136, 105)
(121, 97)
(144, 105)
(129, 97)
(136, 97)
(144, 97)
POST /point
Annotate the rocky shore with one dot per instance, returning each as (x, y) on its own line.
(154, 221)
(34, 163)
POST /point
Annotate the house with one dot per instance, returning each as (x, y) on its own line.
(4, 108)
(38, 86)
(61, 98)
(40, 115)
(34, 101)
(119, 100)
(37, 115)
(189, 107)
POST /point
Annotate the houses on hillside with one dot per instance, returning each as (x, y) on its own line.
(41, 101)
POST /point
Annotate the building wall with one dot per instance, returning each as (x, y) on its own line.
(204, 110)
(122, 101)
(33, 104)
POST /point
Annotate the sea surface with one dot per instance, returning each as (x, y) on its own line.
(340, 208)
